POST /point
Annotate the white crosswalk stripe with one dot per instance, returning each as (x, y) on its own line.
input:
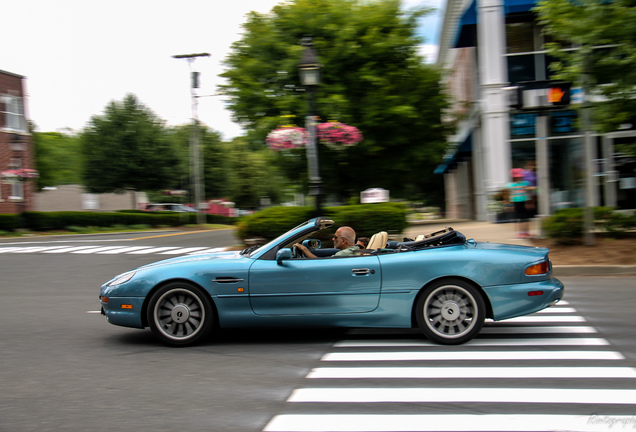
(451, 395)
(449, 423)
(108, 250)
(512, 377)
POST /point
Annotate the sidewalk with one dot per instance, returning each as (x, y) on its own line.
(505, 233)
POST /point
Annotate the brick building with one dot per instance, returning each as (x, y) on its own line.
(16, 145)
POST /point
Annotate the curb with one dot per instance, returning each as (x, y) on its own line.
(594, 270)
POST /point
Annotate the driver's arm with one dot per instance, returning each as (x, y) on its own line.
(304, 250)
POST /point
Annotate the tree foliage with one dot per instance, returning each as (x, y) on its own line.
(214, 159)
(252, 175)
(58, 158)
(597, 39)
(372, 78)
(127, 148)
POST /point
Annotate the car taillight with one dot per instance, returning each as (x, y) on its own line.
(542, 268)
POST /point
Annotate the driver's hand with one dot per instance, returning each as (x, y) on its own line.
(301, 248)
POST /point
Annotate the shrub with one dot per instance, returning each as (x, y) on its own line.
(566, 226)
(272, 222)
(9, 222)
(366, 220)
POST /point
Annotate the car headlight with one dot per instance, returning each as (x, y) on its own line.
(122, 278)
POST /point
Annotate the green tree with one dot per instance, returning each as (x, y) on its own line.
(594, 44)
(127, 148)
(372, 78)
(214, 159)
(58, 158)
(251, 175)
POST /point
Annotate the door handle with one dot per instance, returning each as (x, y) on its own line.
(362, 271)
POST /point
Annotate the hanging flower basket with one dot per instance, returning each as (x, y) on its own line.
(338, 135)
(286, 138)
(16, 175)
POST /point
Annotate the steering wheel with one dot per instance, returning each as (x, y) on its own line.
(296, 253)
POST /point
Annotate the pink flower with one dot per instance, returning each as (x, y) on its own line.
(338, 135)
(19, 174)
(286, 138)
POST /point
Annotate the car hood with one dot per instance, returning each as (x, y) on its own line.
(230, 255)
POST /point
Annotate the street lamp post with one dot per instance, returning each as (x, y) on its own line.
(309, 71)
(196, 168)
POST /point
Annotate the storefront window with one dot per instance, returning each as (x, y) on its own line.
(563, 122)
(626, 173)
(567, 173)
(523, 125)
(521, 68)
(523, 154)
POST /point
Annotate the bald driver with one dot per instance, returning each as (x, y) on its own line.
(344, 239)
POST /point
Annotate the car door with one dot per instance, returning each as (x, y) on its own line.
(315, 286)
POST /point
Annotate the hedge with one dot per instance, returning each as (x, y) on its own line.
(365, 219)
(567, 225)
(9, 222)
(47, 221)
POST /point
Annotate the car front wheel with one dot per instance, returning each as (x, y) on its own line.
(180, 314)
(450, 312)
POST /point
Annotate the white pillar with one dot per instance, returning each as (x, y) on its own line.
(494, 108)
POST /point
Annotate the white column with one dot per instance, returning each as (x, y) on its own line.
(491, 39)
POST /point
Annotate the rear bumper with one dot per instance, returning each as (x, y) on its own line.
(511, 301)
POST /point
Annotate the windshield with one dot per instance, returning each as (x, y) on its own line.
(253, 250)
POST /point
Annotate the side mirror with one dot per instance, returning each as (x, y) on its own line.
(283, 254)
(312, 244)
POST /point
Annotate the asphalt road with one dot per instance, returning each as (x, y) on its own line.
(63, 367)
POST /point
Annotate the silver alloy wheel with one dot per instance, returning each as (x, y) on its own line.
(179, 314)
(450, 311)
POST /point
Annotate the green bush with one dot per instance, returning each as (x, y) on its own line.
(566, 226)
(272, 222)
(48, 221)
(366, 220)
(9, 222)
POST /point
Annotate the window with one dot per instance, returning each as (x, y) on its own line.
(17, 187)
(13, 113)
(520, 37)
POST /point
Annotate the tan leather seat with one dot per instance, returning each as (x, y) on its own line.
(378, 240)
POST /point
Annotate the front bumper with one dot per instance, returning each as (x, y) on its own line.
(124, 311)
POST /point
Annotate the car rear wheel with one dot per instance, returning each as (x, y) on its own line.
(450, 312)
(180, 314)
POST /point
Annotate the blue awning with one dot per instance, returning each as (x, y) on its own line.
(461, 152)
(516, 6)
(467, 28)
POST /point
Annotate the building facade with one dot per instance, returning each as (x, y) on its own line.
(490, 50)
(16, 146)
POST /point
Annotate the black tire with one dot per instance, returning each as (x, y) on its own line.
(180, 314)
(450, 312)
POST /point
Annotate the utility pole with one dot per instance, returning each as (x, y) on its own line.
(196, 168)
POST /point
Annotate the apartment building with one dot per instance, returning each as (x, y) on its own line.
(16, 146)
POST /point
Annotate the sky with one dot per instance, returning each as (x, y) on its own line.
(79, 55)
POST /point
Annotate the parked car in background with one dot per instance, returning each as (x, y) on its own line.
(441, 283)
(170, 207)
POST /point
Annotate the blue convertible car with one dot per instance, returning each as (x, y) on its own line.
(441, 282)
